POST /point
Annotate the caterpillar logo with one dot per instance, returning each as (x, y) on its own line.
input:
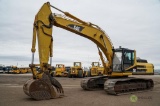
(76, 27)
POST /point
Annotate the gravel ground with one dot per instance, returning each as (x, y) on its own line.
(11, 94)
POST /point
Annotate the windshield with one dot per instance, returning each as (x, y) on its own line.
(96, 64)
(117, 60)
(76, 64)
(59, 66)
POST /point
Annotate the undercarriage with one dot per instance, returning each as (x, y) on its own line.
(117, 86)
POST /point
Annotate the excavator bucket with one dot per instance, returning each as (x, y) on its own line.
(45, 88)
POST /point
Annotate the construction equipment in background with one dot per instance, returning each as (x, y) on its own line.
(23, 70)
(143, 67)
(77, 70)
(121, 61)
(96, 69)
(20, 70)
(15, 70)
(60, 71)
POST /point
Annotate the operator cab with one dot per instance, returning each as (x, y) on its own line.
(123, 59)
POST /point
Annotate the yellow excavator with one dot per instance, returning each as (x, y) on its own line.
(121, 61)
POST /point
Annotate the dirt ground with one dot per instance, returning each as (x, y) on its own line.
(11, 94)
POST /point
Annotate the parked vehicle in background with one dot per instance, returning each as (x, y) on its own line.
(60, 71)
(15, 70)
(1, 68)
(96, 69)
(23, 70)
(8, 69)
(77, 70)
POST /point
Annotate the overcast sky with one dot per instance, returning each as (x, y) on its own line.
(133, 24)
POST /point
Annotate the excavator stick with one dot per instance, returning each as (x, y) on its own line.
(42, 86)
(45, 88)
